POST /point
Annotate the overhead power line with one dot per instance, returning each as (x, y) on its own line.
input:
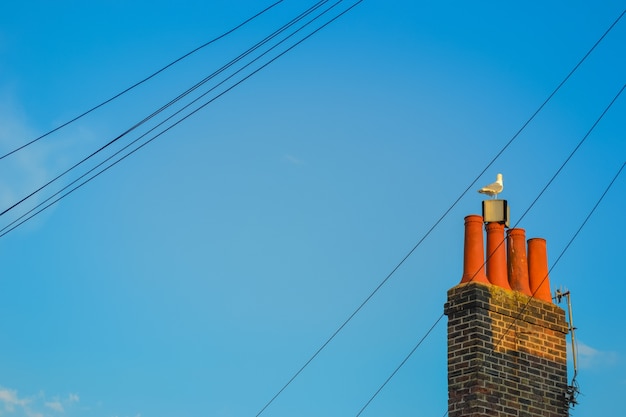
(169, 104)
(419, 242)
(138, 83)
(440, 219)
(543, 190)
(569, 243)
(50, 201)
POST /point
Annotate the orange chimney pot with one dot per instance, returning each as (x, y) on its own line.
(538, 269)
(496, 255)
(517, 262)
(474, 251)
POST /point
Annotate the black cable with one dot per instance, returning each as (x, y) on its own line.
(401, 365)
(184, 118)
(558, 171)
(543, 190)
(6, 230)
(569, 243)
(26, 216)
(154, 74)
(169, 104)
(421, 240)
(442, 217)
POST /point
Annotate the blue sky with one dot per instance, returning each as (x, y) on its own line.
(198, 275)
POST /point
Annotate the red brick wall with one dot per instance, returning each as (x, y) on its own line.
(506, 354)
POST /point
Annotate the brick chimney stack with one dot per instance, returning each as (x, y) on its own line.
(506, 347)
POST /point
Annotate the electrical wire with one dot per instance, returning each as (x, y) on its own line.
(33, 212)
(166, 106)
(395, 371)
(427, 233)
(569, 243)
(558, 171)
(4, 232)
(138, 83)
(440, 219)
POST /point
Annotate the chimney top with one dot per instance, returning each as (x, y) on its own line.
(508, 264)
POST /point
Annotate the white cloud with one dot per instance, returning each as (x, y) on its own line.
(23, 171)
(30, 413)
(34, 406)
(293, 160)
(31, 167)
(591, 358)
(10, 399)
(55, 405)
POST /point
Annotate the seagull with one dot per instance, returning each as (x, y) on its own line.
(493, 189)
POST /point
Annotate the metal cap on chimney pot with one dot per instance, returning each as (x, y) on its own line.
(496, 211)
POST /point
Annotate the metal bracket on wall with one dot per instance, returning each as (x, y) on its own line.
(571, 396)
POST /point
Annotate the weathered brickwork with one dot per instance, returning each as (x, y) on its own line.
(506, 354)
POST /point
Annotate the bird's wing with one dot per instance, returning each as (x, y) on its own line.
(493, 188)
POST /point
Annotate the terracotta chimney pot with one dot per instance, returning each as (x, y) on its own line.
(496, 255)
(538, 269)
(474, 251)
(517, 263)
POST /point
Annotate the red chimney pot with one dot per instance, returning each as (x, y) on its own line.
(496, 255)
(517, 263)
(474, 251)
(538, 269)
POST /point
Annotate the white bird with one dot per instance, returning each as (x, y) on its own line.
(493, 189)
